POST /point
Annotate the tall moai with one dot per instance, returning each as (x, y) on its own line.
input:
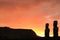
(55, 29)
(47, 30)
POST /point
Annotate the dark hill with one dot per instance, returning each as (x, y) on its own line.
(9, 33)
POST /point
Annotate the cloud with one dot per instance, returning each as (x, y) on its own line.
(44, 8)
(20, 3)
(6, 3)
(23, 3)
(27, 3)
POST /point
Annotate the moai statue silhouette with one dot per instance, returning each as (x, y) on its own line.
(47, 30)
(55, 29)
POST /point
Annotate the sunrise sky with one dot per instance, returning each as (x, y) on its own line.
(30, 14)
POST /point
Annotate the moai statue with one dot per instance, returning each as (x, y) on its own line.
(47, 30)
(55, 29)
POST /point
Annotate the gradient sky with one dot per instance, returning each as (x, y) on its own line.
(30, 14)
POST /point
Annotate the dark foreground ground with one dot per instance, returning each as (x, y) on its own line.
(39, 38)
(21, 34)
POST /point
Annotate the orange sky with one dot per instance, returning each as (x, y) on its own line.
(30, 14)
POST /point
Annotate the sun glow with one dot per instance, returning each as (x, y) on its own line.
(42, 34)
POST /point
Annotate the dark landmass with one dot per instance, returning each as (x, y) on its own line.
(9, 33)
